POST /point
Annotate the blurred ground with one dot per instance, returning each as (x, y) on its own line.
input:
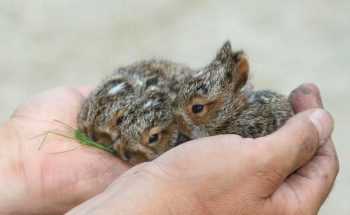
(44, 44)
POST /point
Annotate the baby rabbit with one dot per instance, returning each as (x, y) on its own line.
(132, 110)
(213, 102)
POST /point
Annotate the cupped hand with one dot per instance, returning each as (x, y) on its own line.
(62, 173)
(288, 172)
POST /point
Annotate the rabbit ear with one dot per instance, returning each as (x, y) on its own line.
(235, 64)
(224, 53)
(239, 70)
(229, 69)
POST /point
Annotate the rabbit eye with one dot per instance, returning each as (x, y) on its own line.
(197, 108)
(120, 120)
(153, 139)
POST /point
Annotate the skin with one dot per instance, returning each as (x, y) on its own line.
(179, 182)
(34, 181)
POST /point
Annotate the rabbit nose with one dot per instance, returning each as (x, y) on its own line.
(183, 126)
(181, 138)
(120, 148)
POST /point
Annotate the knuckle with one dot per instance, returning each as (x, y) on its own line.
(335, 165)
(307, 137)
(308, 145)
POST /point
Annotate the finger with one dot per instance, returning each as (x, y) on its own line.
(315, 180)
(62, 101)
(85, 90)
(293, 145)
(306, 96)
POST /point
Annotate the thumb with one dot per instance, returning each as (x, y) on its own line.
(293, 145)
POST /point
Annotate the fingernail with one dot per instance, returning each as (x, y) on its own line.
(323, 123)
(312, 89)
(305, 89)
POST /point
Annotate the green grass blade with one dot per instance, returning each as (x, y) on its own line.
(85, 140)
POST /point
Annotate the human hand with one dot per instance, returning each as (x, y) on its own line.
(34, 181)
(288, 172)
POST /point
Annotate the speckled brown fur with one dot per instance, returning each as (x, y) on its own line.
(146, 108)
(254, 114)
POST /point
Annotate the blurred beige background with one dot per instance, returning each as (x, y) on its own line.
(44, 44)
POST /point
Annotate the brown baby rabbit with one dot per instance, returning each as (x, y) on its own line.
(214, 101)
(132, 110)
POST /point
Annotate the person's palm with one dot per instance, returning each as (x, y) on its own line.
(62, 173)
